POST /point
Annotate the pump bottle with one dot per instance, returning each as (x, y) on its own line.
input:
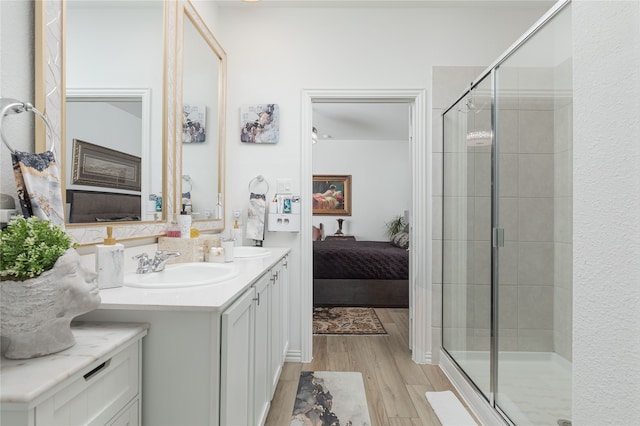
(110, 262)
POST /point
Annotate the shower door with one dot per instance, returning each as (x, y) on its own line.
(533, 104)
(467, 188)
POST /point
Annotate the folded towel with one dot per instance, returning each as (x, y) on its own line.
(38, 184)
(449, 409)
(255, 216)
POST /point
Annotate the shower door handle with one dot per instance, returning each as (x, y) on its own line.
(498, 237)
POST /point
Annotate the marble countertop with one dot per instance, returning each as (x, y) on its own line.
(214, 297)
(24, 381)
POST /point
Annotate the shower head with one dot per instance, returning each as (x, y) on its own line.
(479, 138)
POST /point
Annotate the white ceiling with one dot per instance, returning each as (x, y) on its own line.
(361, 121)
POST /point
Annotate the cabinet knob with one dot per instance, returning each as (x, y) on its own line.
(257, 299)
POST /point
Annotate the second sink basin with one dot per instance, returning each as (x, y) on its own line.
(248, 251)
(182, 275)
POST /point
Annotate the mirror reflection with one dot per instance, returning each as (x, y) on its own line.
(202, 118)
(114, 110)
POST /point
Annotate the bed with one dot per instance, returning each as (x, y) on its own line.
(93, 206)
(360, 273)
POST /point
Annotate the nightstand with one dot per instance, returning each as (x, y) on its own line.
(340, 237)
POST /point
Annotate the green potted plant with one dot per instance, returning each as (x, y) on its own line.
(396, 225)
(43, 286)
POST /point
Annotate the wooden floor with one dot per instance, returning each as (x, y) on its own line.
(394, 384)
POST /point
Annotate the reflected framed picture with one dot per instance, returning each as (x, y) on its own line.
(331, 195)
(194, 123)
(95, 165)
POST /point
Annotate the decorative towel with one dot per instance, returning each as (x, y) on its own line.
(38, 183)
(449, 409)
(255, 217)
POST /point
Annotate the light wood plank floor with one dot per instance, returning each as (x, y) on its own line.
(394, 384)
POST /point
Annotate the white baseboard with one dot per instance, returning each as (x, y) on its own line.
(293, 356)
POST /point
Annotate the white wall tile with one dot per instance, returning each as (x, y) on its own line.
(535, 307)
(535, 175)
(535, 263)
(535, 219)
(536, 132)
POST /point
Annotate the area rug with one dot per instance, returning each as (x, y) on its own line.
(328, 398)
(449, 409)
(344, 321)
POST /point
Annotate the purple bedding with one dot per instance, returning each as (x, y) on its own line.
(346, 259)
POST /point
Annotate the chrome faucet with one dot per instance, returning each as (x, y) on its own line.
(157, 264)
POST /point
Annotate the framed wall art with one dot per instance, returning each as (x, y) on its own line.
(260, 123)
(96, 165)
(331, 195)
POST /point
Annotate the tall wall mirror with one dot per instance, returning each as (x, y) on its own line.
(107, 78)
(201, 146)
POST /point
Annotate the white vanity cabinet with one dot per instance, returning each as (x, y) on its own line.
(209, 346)
(253, 349)
(95, 382)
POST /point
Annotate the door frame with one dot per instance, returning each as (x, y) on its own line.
(420, 276)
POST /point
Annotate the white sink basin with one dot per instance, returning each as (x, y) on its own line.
(183, 275)
(248, 251)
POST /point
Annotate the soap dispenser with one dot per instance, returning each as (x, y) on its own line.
(184, 222)
(236, 233)
(110, 262)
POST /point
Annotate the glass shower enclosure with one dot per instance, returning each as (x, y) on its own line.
(507, 228)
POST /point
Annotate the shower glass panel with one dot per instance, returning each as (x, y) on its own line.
(534, 144)
(507, 228)
(467, 234)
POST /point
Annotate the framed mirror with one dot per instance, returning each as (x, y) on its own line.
(200, 148)
(109, 92)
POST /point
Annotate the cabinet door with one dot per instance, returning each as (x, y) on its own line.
(283, 281)
(236, 372)
(262, 386)
(97, 395)
(275, 346)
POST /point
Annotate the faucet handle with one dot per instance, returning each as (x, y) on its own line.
(166, 254)
(143, 256)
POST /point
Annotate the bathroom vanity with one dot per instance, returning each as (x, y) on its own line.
(214, 353)
(97, 381)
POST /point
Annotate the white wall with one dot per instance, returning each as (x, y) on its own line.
(606, 257)
(380, 183)
(276, 52)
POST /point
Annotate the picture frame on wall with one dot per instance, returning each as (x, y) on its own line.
(95, 165)
(260, 123)
(331, 195)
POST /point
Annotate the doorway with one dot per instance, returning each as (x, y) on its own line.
(420, 212)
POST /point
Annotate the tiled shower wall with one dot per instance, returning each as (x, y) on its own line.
(535, 211)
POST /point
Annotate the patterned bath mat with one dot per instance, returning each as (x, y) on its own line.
(330, 398)
(346, 321)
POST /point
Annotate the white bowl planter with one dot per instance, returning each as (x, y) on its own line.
(36, 314)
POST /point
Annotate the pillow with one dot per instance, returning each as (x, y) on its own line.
(401, 239)
(317, 233)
